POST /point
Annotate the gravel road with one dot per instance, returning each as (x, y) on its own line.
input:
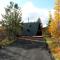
(23, 51)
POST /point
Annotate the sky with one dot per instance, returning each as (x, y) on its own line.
(32, 9)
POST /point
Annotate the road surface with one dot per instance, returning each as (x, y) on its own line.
(22, 51)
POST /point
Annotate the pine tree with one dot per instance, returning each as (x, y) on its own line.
(49, 22)
(12, 20)
(50, 18)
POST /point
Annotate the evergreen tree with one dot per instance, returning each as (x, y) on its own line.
(40, 27)
(12, 20)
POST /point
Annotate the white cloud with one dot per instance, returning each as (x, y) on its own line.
(3, 4)
(29, 10)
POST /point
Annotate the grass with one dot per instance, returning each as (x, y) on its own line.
(6, 42)
(55, 50)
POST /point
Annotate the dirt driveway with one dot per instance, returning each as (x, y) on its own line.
(23, 51)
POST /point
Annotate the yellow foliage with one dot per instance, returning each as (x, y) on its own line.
(54, 27)
(55, 50)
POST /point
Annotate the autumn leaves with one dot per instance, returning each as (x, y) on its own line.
(54, 27)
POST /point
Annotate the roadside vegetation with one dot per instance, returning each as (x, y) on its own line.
(11, 23)
(53, 38)
(12, 26)
(54, 47)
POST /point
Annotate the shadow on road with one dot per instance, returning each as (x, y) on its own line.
(29, 44)
(22, 49)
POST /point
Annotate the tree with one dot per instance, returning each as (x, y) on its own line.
(49, 23)
(55, 24)
(40, 26)
(12, 20)
(39, 20)
(50, 19)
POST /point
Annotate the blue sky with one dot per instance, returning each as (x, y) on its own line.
(32, 9)
(49, 4)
